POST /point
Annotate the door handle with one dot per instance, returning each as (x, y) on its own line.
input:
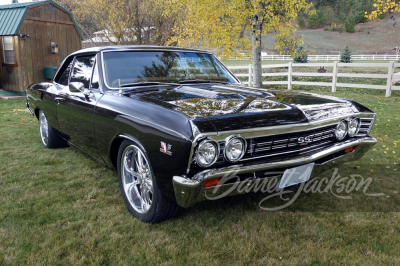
(61, 96)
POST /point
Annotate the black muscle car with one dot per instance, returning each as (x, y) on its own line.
(173, 122)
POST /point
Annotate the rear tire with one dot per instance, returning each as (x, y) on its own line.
(139, 187)
(47, 134)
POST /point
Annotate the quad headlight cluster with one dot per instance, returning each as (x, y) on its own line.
(208, 151)
(235, 147)
(348, 127)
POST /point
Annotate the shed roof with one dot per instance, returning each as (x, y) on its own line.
(11, 16)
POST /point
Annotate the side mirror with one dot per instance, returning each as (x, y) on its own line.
(87, 93)
(76, 87)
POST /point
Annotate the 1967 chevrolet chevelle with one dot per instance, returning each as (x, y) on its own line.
(173, 122)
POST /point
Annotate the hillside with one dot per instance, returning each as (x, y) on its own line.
(379, 36)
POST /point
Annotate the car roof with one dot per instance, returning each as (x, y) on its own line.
(136, 48)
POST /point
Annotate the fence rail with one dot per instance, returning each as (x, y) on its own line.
(324, 57)
(390, 77)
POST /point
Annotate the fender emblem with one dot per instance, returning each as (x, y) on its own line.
(166, 148)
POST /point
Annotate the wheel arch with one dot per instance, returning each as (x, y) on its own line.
(116, 143)
(37, 111)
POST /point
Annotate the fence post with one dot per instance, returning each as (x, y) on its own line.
(389, 79)
(334, 76)
(290, 71)
(250, 75)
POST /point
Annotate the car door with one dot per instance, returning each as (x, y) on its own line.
(77, 103)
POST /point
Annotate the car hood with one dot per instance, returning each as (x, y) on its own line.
(232, 107)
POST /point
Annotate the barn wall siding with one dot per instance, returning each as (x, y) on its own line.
(10, 74)
(43, 25)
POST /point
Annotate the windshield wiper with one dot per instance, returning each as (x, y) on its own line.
(147, 83)
(190, 81)
(146, 86)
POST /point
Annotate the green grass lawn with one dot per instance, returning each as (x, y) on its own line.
(59, 207)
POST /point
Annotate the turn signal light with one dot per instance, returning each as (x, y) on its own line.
(350, 149)
(211, 182)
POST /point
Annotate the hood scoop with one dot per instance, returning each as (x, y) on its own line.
(208, 93)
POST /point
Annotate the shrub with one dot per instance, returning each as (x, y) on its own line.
(322, 17)
(301, 55)
(301, 21)
(350, 24)
(346, 56)
(313, 21)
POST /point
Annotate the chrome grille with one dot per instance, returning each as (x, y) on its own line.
(366, 124)
(287, 145)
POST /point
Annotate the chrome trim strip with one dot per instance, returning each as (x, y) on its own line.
(29, 109)
(272, 130)
(166, 49)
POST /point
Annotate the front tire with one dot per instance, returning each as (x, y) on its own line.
(139, 187)
(47, 134)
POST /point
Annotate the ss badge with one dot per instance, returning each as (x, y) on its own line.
(305, 140)
(166, 148)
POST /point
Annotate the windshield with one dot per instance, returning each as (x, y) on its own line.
(130, 67)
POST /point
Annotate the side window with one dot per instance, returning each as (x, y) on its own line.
(95, 78)
(8, 50)
(82, 70)
(63, 80)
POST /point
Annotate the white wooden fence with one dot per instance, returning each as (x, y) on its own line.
(324, 57)
(390, 77)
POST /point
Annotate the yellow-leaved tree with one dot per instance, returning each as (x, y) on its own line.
(140, 22)
(382, 7)
(231, 26)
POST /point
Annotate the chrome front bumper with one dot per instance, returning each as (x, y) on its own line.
(29, 109)
(188, 191)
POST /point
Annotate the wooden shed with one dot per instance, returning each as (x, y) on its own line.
(34, 36)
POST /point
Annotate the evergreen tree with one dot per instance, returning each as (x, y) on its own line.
(350, 24)
(313, 21)
(302, 56)
(301, 21)
(346, 56)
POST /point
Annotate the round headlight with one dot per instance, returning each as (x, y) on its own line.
(234, 149)
(341, 130)
(354, 127)
(207, 153)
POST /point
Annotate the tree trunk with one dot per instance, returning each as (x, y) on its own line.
(256, 43)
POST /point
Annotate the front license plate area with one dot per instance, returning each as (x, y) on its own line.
(296, 175)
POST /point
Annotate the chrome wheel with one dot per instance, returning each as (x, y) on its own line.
(137, 179)
(44, 128)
